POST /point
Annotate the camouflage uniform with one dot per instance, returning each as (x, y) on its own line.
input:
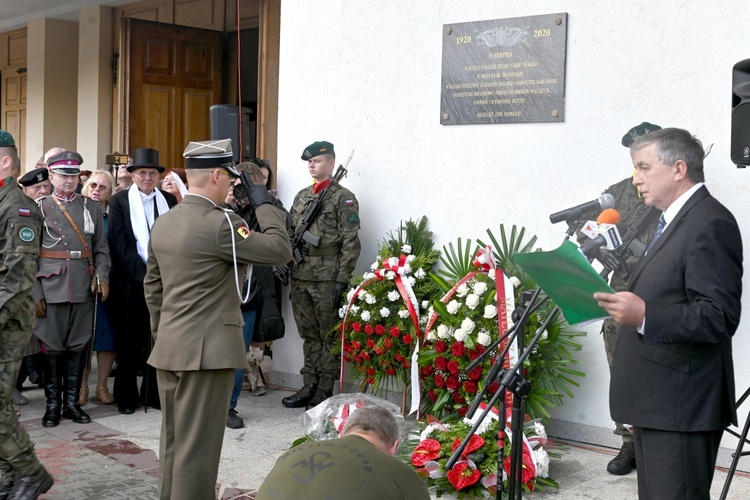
(628, 204)
(313, 280)
(20, 231)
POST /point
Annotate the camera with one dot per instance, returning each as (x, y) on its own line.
(116, 159)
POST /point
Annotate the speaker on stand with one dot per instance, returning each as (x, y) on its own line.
(225, 124)
(740, 145)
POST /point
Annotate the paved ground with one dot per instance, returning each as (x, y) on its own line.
(116, 455)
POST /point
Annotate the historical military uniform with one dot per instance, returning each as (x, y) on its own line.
(314, 280)
(20, 231)
(196, 321)
(73, 256)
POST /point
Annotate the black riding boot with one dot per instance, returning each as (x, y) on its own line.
(52, 366)
(72, 409)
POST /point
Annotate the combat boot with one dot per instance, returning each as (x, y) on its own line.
(624, 462)
(320, 396)
(31, 486)
(72, 408)
(51, 365)
(301, 397)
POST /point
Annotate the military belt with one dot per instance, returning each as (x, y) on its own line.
(318, 252)
(65, 254)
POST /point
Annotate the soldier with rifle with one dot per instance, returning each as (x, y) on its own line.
(637, 226)
(325, 246)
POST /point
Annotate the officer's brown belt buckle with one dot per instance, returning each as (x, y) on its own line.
(75, 254)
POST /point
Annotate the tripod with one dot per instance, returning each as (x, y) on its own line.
(738, 452)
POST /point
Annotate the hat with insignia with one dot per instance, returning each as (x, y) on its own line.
(210, 154)
(6, 140)
(66, 163)
(637, 131)
(34, 177)
(317, 148)
(145, 158)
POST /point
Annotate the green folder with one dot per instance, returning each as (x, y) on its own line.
(568, 279)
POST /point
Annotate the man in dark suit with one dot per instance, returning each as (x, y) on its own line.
(672, 374)
(131, 215)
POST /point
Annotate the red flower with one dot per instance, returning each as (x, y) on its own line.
(458, 398)
(476, 352)
(398, 357)
(475, 374)
(427, 370)
(452, 382)
(458, 349)
(407, 339)
(370, 343)
(461, 475)
(427, 450)
(470, 387)
(369, 330)
(440, 346)
(370, 371)
(439, 381)
(441, 363)
(356, 345)
(357, 359)
(395, 332)
(433, 397)
(463, 411)
(453, 367)
(407, 364)
(390, 371)
(528, 471)
(475, 442)
(494, 386)
(388, 343)
(379, 350)
(379, 329)
(365, 355)
(357, 327)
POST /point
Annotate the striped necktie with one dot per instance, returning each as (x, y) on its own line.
(659, 228)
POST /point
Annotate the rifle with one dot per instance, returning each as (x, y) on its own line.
(303, 236)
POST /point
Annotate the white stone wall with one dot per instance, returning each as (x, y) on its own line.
(366, 75)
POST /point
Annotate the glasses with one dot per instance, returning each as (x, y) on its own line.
(222, 171)
(145, 174)
(94, 185)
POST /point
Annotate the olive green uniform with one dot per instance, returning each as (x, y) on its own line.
(350, 467)
(313, 280)
(20, 231)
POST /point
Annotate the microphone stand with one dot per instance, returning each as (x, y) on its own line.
(512, 380)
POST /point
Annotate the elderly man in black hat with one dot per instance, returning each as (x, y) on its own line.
(197, 256)
(35, 183)
(73, 265)
(132, 214)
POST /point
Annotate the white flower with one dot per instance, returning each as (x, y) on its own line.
(349, 295)
(390, 275)
(420, 273)
(423, 320)
(442, 332)
(407, 268)
(542, 462)
(361, 295)
(480, 288)
(342, 312)
(453, 306)
(370, 298)
(491, 274)
(430, 311)
(353, 309)
(427, 432)
(484, 338)
(374, 265)
(403, 313)
(368, 276)
(462, 290)
(539, 430)
(460, 335)
(384, 312)
(490, 311)
(432, 335)
(406, 248)
(468, 325)
(472, 301)
(365, 315)
(411, 280)
(410, 258)
(486, 421)
(515, 281)
(544, 336)
(425, 304)
(393, 295)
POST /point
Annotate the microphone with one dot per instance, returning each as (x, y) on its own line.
(572, 214)
(603, 234)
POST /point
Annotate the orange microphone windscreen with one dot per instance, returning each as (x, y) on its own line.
(608, 216)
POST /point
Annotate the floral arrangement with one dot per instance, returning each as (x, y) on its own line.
(385, 311)
(476, 471)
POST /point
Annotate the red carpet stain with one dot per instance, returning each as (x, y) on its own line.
(125, 452)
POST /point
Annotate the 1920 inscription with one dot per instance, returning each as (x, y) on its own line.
(504, 70)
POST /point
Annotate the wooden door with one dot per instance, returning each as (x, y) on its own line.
(13, 98)
(175, 77)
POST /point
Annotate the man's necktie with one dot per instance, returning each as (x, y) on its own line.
(659, 228)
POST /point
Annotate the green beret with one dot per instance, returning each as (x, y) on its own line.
(34, 177)
(6, 140)
(317, 148)
(637, 131)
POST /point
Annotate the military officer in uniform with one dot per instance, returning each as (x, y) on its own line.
(319, 282)
(35, 183)
(20, 233)
(192, 289)
(630, 205)
(73, 265)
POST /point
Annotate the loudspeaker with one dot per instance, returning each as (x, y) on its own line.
(740, 145)
(225, 119)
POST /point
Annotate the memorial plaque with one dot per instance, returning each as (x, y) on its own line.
(504, 70)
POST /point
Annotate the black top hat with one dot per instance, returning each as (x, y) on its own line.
(145, 158)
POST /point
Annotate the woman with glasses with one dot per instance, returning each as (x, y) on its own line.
(99, 188)
(175, 182)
